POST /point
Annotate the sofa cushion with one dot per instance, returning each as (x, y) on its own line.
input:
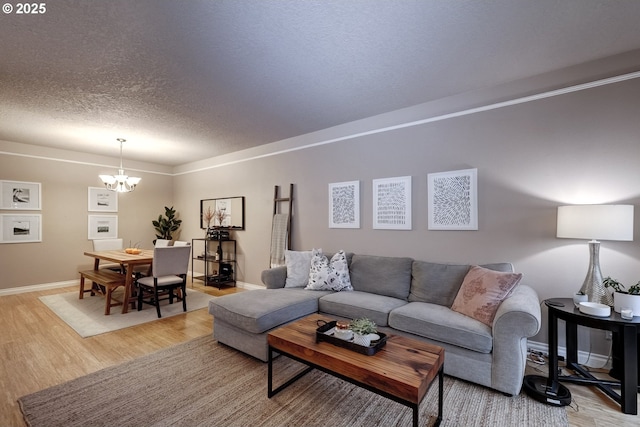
(260, 310)
(439, 283)
(389, 276)
(298, 263)
(360, 304)
(482, 291)
(436, 283)
(325, 275)
(442, 324)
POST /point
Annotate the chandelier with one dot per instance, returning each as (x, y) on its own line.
(120, 182)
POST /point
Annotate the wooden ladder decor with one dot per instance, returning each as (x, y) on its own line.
(277, 200)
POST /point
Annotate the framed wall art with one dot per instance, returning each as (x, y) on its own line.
(392, 203)
(17, 228)
(19, 195)
(103, 227)
(102, 200)
(453, 200)
(344, 204)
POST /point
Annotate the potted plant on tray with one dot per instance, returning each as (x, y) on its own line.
(361, 328)
(624, 299)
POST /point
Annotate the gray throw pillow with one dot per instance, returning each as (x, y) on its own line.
(389, 276)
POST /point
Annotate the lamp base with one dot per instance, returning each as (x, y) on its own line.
(592, 286)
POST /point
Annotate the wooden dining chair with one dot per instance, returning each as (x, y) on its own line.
(169, 272)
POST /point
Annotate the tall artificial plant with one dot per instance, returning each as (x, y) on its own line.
(167, 225)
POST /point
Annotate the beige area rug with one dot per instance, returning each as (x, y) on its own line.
(86, 316)
(203, 383)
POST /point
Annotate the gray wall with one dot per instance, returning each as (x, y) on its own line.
(65, 178)
(576, 148)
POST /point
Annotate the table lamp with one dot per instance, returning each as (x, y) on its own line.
(604, 222)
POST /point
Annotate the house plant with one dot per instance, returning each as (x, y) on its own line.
(361, 328)
(624, 299)
(167, 225)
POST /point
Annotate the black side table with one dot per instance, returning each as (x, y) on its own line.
(627, 331)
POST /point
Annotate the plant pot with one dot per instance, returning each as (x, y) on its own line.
(621, 300)
(363, 340)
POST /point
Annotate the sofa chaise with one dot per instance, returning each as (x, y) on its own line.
(406, 297)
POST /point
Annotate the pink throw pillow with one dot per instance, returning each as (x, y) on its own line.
(482, 291)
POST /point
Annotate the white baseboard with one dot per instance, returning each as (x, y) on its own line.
(76, 282)
(250, 286)
(40, 287)
(584, 357)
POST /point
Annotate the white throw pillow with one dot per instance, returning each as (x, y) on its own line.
(298, 264)
(325, 275)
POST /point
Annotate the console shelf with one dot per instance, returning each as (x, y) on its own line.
(219, 258)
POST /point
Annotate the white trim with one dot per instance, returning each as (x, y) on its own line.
(78, 162)
(41, 287)
(509, 103)
(516, 101)
(76, 282)
(595, 360)
(249, 286)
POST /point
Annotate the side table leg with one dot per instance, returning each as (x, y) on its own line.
(629, 378)
(553, 352)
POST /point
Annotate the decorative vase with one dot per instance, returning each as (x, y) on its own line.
(363, 340)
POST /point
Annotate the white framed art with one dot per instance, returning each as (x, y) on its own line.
(103, 227)
(392, 203)
(102, 200)
(453, 200)
(20, 195)
(344, 204)
(20, 228)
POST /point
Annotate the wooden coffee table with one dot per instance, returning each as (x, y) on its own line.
(402, 370)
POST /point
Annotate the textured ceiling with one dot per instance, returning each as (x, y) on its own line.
(182, 81)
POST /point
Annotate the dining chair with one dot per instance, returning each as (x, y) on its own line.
(161, 243)
(109, 245)
(169, 272)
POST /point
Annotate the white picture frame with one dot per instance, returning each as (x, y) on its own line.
(453, 200)
(102, 200)
(103, 227)
(20, 195)
(20, 228)
(392, 203)
(344, 204)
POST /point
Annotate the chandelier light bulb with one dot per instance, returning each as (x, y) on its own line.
(120, 182)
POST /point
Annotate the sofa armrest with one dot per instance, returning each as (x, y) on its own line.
(274, 278)
(517, 318)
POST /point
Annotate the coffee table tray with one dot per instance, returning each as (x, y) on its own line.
(321, 335)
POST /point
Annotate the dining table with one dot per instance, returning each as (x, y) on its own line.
(129, 262)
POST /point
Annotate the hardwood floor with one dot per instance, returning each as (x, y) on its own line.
(38, 350)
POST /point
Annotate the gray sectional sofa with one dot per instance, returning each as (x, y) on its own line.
(404, 297)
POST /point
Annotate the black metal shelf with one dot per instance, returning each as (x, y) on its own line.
(215, 276)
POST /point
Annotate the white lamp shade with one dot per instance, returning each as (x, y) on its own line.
(596, 222)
